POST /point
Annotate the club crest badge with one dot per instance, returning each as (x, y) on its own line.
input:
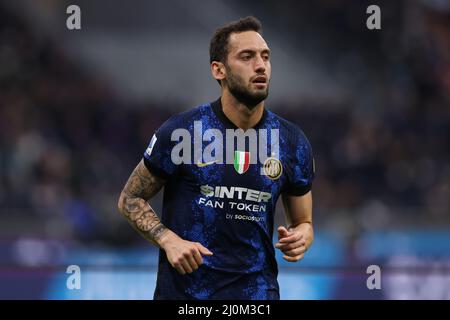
(273, 168)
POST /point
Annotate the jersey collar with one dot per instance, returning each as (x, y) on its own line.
(216, 106)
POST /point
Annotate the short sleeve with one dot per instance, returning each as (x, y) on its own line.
(157, 156)
(301, 168)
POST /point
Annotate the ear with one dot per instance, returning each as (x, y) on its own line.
(218, 70)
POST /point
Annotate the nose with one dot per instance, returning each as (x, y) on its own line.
(260, 66)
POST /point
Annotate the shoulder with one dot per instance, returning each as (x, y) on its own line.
(289, 129)
(185, 118)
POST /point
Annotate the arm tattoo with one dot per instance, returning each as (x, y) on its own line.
(141, 186)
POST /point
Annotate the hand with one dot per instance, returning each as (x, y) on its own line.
(185, 256)
(292, 242)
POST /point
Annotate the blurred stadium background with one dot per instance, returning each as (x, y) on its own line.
(77, 109)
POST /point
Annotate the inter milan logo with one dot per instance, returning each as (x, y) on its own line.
(241, 161)
(273, 168)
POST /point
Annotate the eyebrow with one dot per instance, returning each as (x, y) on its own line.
(267, 50)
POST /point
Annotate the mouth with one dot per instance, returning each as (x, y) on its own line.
(260, 81)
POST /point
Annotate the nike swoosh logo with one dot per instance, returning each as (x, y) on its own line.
(204, 164)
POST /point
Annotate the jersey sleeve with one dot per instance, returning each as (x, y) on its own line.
(301, 169)
(157, 156)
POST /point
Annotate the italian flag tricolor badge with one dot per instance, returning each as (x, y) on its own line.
(241, 161)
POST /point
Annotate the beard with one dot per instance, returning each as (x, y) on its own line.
(242, 93)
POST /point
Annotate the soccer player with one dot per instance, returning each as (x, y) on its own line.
(215, 232)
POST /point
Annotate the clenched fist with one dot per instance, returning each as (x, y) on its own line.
(185, 256)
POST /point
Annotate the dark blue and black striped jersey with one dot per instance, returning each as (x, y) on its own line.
(222, 193)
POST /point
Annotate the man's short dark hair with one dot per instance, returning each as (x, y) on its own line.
(218, 47)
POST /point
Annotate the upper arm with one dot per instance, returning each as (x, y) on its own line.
(158, 156)
(142, 183)
(299, 164)
(154, 169)
(298, 208)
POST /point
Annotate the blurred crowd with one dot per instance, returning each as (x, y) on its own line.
(67, 143)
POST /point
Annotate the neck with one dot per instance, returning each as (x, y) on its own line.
(238, 113)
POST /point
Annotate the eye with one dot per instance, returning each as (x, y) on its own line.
(246, 57)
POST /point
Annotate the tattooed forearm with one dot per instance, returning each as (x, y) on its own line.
(140, 187)
(143, 218)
